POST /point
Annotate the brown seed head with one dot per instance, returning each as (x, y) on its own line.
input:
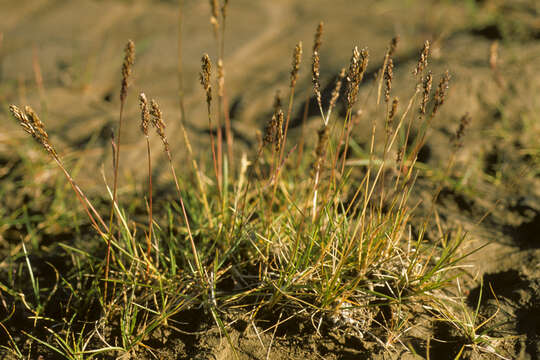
(36, 122)
(273, 132)
(129, 59)
(391, 115)
(279, 135)
(463, 124)
(323, 135)
(399, 155)
(315, 68)
(357, 68)
(145, 113)
(353, 65)
(427, 83)
(159, 124)
(23, 121)
(206, 71)
(440, 93)
(315, 76)
(388, 77)
(270, 131)
(31, 123)
(423, 60)
(364, 54)
(318, 38)
(393, 110)
(337, 89)
(297, 59)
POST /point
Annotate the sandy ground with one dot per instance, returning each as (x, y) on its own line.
(77, 48)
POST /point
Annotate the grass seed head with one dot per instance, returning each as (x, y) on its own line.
(388, 77)
(318, 37)
(273, 132)
(38, 125)
(297, 59)
(279, 134)
(441, 92)
(24, 122)
(352, 89)
(204, 76)
(355, 74)
(423, 60)
(392, 114)
(159, 124)
(315, 75)
(129, 59)
(427, 84)
(315, 68)
(463, 124)
(270, 131)
(399, 155)
(145, 113)
(31, 123)
(337, 89)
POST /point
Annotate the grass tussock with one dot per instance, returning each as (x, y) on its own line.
(307, 233)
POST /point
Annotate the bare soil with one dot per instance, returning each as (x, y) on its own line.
(78, 46)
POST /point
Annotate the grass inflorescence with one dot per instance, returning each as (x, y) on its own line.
(324, 238)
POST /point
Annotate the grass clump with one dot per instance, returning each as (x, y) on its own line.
(319, 236)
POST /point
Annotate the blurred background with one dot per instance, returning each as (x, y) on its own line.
(63, 58)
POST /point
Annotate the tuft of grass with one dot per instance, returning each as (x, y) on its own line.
(473, 331)
(324, 236)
